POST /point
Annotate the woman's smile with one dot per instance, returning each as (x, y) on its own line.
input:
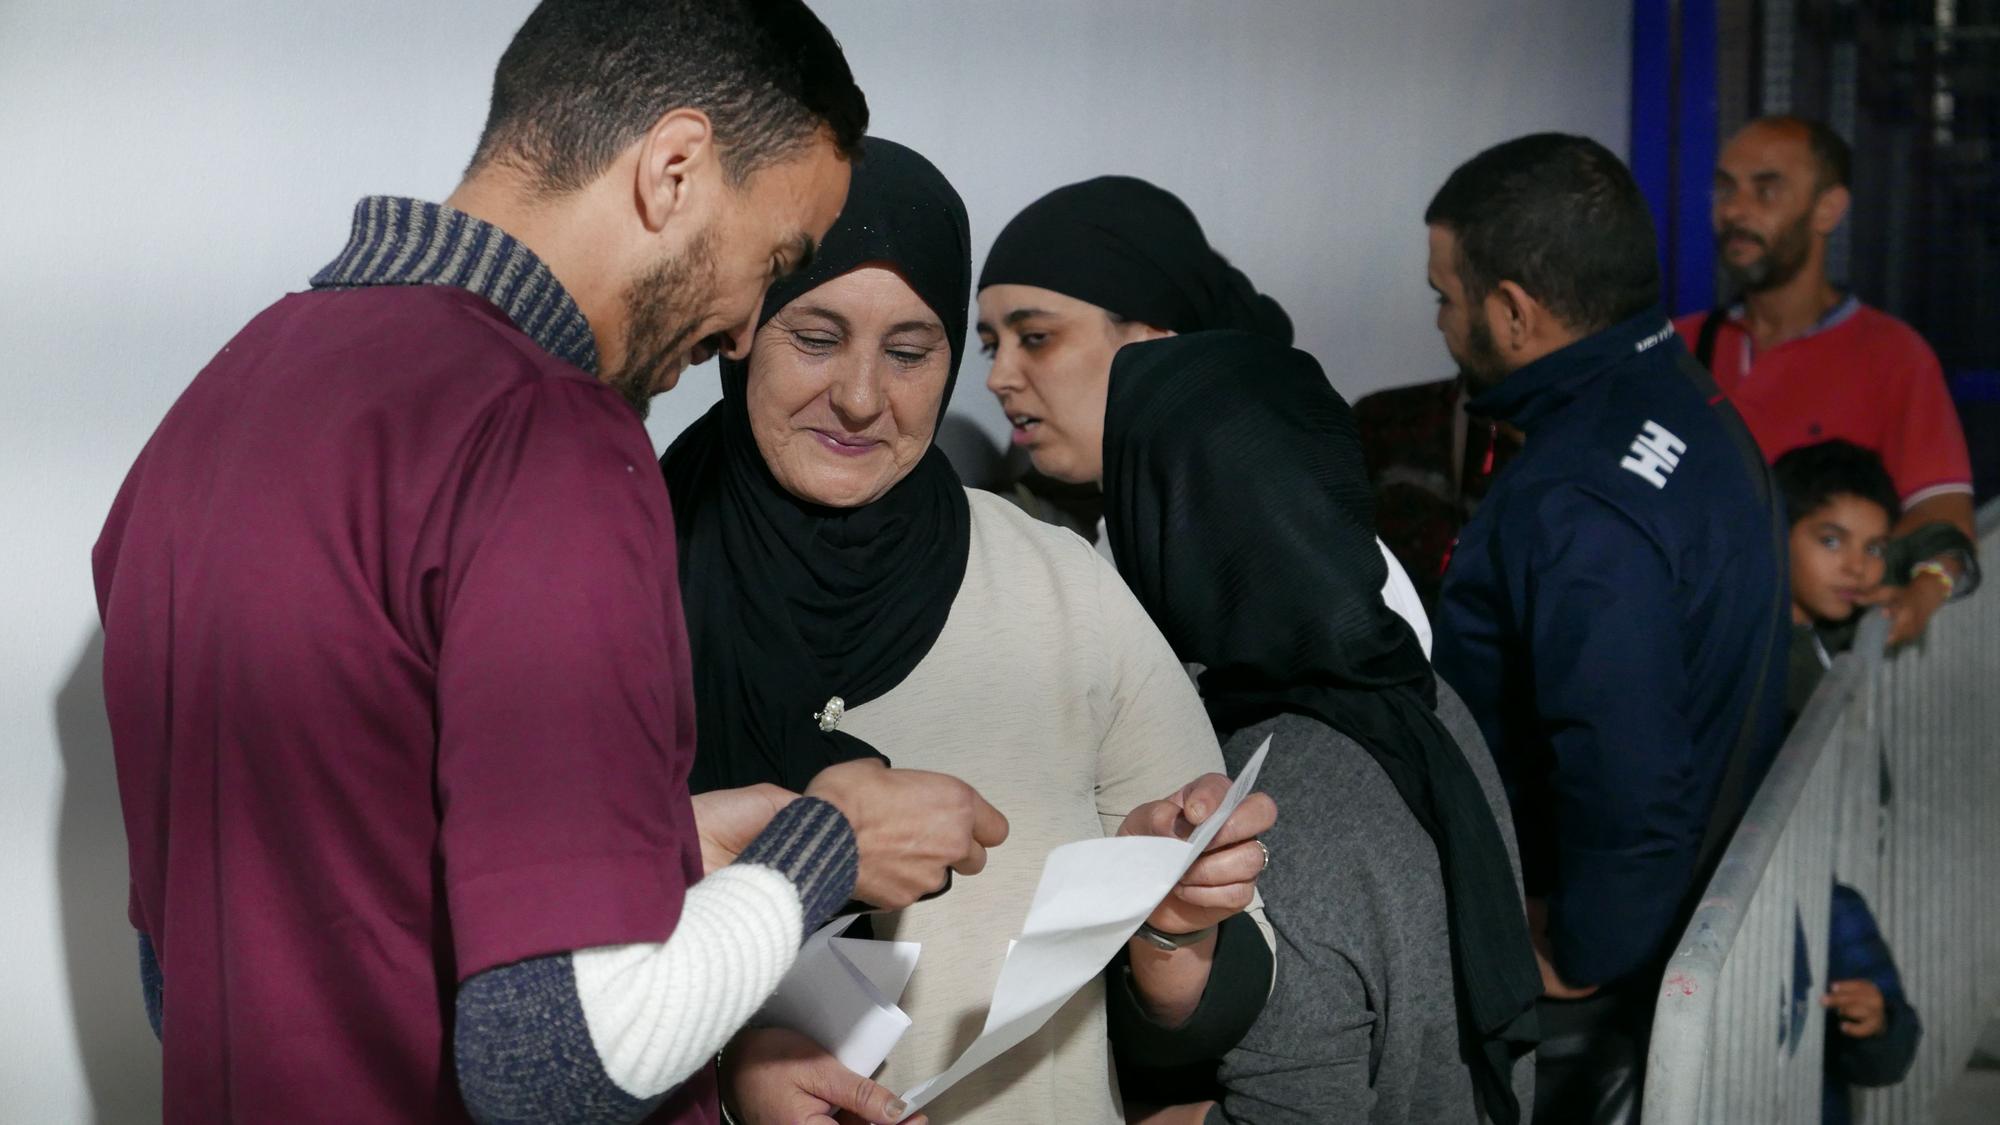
(845, 444)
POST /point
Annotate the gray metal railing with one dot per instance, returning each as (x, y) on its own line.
(1889, 782)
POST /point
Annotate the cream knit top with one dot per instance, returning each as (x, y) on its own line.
(1052, 693)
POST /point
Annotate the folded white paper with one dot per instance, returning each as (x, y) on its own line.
(842, 992)
(1092, 897)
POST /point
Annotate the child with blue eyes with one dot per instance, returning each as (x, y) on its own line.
(1842, 504)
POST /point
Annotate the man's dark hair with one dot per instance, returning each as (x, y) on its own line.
(583, 79)
(1812, 475)
(1559, 216)
(1831, 155)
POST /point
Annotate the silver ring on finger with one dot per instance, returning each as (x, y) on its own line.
(1267, 857)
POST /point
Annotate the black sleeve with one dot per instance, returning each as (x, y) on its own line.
(1239, 979)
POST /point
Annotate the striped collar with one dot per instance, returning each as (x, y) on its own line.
(1837, 315)
(398, 241)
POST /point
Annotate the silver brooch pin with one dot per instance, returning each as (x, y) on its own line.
(829, 716)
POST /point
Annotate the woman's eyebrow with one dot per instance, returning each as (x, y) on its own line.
(839, 321)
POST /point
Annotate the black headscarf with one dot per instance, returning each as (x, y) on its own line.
(1240, 512)
(1133, 249)
(789, 603)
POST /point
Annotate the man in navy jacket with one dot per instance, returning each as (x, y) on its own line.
(1611, 612)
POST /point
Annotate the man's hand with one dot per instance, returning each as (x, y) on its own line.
(772, 1076)
(1553, 986)
(727, 820)
(1223, 880)
(911, 826)
(1859, 1005)
(1908, 608)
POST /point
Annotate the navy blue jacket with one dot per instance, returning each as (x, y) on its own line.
(1855, 950)
(1604, 616)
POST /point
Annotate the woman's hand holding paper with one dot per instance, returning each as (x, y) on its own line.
(1223, 881)
(772, 1076)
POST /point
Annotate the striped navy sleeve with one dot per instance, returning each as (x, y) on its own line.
(600, 1036)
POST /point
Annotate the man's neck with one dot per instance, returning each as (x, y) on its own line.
(555, 236)
(1791, 310)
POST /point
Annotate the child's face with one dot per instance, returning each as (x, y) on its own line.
(1837, 556)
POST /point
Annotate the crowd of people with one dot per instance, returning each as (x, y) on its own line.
(474, 767)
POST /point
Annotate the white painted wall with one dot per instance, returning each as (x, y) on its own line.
(168, 169)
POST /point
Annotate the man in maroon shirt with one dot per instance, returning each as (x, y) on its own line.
(394, 658)
(1803, 361)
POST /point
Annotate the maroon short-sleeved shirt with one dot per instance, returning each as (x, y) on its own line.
(398, 686)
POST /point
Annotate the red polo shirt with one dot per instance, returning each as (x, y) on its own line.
(398, 687)
(1860, 374)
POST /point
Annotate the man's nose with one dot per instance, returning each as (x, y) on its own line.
(1729, 211)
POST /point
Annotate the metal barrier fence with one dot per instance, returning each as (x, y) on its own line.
(1889, 782)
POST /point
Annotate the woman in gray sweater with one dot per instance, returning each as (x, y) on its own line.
(1240, 513)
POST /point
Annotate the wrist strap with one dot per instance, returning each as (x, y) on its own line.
(1936, 570)
(1936, 541)
(1161, 939)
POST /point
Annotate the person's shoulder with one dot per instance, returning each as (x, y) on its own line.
(420, 327)
(1318, 768)
(1347, 816)
(1688, 326)
(1865, 319)
(1651, 428)
(1893, 345)
(1001, 526)
(1583, 499)
(431, 311)
(468, 346)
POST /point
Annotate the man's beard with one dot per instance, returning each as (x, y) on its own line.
(660, 320)
(1780, 262)
(1482, 367)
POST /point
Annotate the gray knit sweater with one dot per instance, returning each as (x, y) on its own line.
(1361, 1026)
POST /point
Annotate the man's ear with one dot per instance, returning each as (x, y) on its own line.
(675, 156)
(1830, 208)
(1513, 317)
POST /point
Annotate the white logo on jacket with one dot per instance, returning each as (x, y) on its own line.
(1655, 454)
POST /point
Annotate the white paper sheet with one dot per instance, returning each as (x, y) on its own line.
(1092, 897)
(842, 992)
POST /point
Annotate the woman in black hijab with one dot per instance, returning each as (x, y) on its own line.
(1240, 512)
(846, 598)
(1081, 272)
(1086, 270)
(800, 609)
(1133, 248)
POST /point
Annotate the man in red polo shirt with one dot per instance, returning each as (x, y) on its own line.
(1804, 362)
(394, 658)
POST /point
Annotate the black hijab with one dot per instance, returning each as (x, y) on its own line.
(790, 604)
(1132, 249)
(1240, 512)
